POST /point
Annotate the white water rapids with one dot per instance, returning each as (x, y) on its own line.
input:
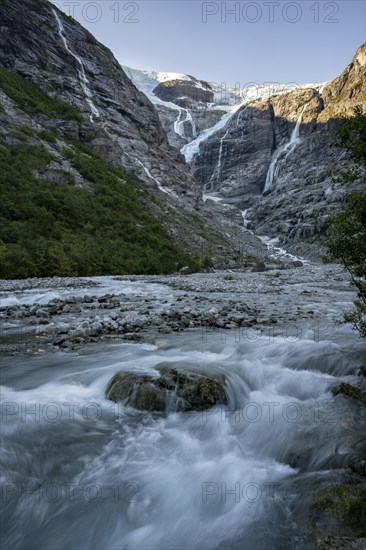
(81, 472)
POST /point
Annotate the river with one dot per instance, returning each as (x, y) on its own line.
(81, 472)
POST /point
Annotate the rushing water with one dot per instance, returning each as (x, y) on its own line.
(82, 472)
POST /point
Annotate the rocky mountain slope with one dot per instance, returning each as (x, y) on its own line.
(121, 122)
(271, 157)
(277, 156)
(85, 99)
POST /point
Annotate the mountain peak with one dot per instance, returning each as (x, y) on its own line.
(360, 55)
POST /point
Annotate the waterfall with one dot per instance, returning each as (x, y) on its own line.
(178, 129)
(179, 124)
(190, 150)
(84, 82)
(149, 175)
(238, 119)
(189, 118)
(286, 148)
(216, 172)
(245, 220)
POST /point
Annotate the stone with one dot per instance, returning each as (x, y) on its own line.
(42, 313)
(95, 328)
(347, 543)
(134, 320)
(78, 333)
(358, 393)
(174, 388)
(62, 328)
(184, 270)
(259, 267)
(132, 336)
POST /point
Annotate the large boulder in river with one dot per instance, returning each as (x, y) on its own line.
(174, 388)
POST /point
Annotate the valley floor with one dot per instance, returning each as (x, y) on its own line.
(43, 314)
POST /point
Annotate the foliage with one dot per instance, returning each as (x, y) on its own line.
(49, 228)
(350, 133)
(347, 231)
(30, 98)
(48, 136)
(347, 504)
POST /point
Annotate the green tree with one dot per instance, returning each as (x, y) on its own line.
(347, 229)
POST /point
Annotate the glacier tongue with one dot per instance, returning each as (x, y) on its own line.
(191, 149)
(248, 95)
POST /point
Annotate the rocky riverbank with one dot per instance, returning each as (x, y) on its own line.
(66, 313)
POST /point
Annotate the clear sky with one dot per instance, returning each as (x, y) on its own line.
(232, 42)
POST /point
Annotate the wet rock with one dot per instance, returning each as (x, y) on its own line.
(131, 336)
(345, 543)
(134, 320)
(71, 308)
(361, 371)
(78, 333)
(165, 329)
(95, 328)
(42, 313)
(259, 267)
(43, 321)
(297, 263)
(355, 392)
(184, 270)
(62, 328)
(174, 388)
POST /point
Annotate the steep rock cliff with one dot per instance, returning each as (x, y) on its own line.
(292, 132)
(127, 130)
(108, 115)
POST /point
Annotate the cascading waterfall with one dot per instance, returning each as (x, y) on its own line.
(245, 220)
(192, 149)
(84, 82)
(216, 173)
(238, 119)
(161, 187)
(286, 148)
(189, 118)
(179, 124)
